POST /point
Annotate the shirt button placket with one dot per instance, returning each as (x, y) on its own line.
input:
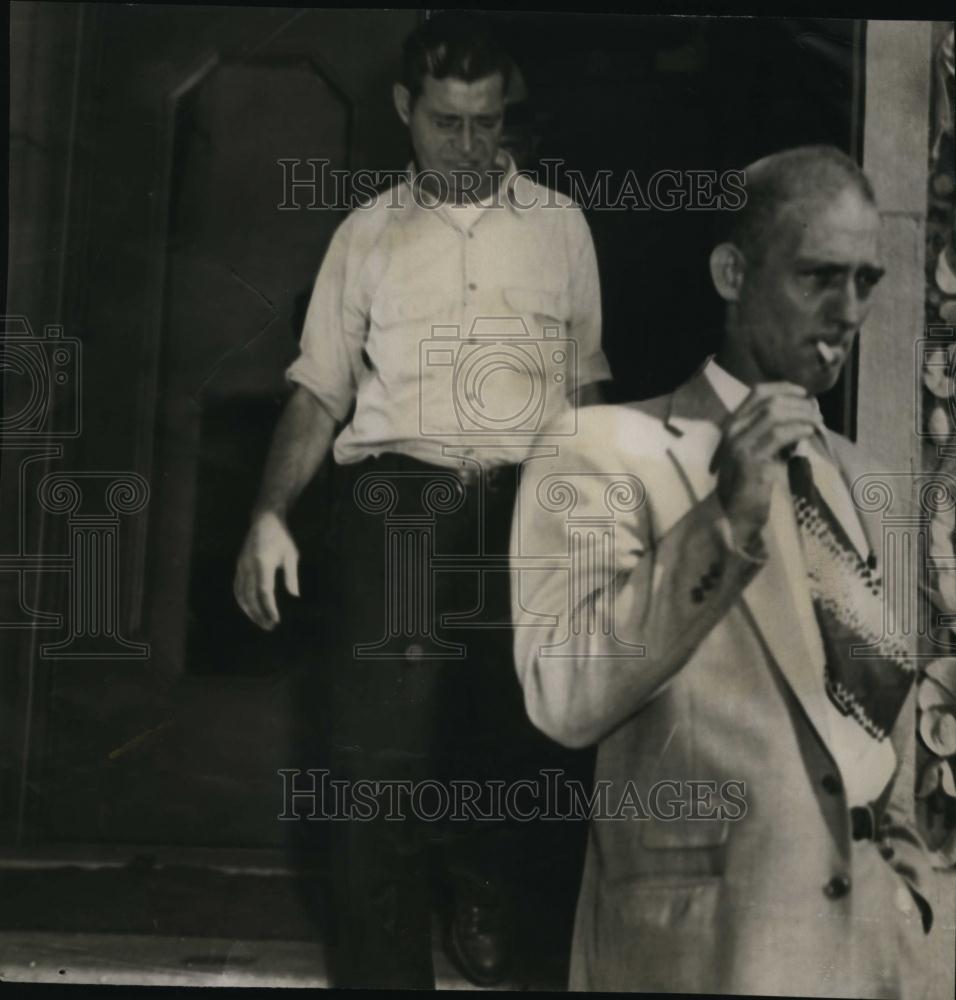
(466, 285)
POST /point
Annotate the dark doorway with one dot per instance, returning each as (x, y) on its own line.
(617, 93)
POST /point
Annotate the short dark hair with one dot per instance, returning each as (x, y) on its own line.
(801, 174)
(452, 44)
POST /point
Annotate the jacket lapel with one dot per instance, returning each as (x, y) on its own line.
(851, 465)
(778, 610)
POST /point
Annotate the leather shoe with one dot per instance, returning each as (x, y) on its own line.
(478, 941)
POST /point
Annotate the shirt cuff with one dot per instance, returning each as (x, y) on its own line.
(300, 372)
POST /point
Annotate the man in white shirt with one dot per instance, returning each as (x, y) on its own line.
(452, 317)
(720, 584)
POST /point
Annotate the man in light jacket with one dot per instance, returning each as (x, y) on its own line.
(721, 630)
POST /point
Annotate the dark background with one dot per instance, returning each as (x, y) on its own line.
(145, 186)
(619, 93)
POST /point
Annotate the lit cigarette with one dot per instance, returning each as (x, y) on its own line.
(826, 353)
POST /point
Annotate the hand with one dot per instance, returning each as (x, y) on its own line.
(773, 418)
(267, 547)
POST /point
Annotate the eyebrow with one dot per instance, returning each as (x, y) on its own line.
(821, 264)
(456, 114)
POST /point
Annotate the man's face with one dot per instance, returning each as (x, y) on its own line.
(456, 128)
(814, 286)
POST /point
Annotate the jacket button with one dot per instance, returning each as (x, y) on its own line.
(831, 784)
(837, 887)
(697, 595)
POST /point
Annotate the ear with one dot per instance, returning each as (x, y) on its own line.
(403, 102)
(727, 270)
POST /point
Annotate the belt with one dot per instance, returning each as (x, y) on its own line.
(469, 473)
(863, 823)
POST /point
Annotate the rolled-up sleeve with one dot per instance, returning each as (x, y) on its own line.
(334, 331)
(585, 321)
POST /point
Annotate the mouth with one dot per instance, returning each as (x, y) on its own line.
(830, 355)
(826, 354)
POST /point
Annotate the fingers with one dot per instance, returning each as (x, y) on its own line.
(764, 443)
(773, 417)
(265, 591)
(773, 407)
(267, 548)
(254, 592)
(759, 415)
(290, 572)
(771, 441)
(764, 389)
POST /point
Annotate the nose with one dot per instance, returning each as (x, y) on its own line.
(848, 308)
(467, 139)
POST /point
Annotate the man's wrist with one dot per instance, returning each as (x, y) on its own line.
(264, 510)
(744, 539)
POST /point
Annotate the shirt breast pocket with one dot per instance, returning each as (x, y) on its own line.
(545, 307)
(414, 308)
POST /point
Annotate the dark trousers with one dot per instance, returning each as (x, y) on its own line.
(423, 690)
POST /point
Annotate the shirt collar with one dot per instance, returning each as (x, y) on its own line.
(518, 189)
(730, 390)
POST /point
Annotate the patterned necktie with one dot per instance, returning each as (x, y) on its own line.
(870, 685)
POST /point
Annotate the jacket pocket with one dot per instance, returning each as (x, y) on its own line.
(658, 935)
(677, 834)
(684, 848)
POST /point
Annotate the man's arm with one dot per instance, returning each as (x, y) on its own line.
(653, 584)
(331, 341)
(585, 313)
(301, 442)
(670, 588)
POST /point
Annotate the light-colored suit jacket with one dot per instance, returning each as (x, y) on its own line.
(640, 627)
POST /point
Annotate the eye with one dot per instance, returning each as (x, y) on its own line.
(821, 277)
(445, 124)
(868, 279)
(488, 121)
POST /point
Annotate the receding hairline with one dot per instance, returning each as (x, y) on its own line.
(816, 202)
(821, 181)
(778, 184)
